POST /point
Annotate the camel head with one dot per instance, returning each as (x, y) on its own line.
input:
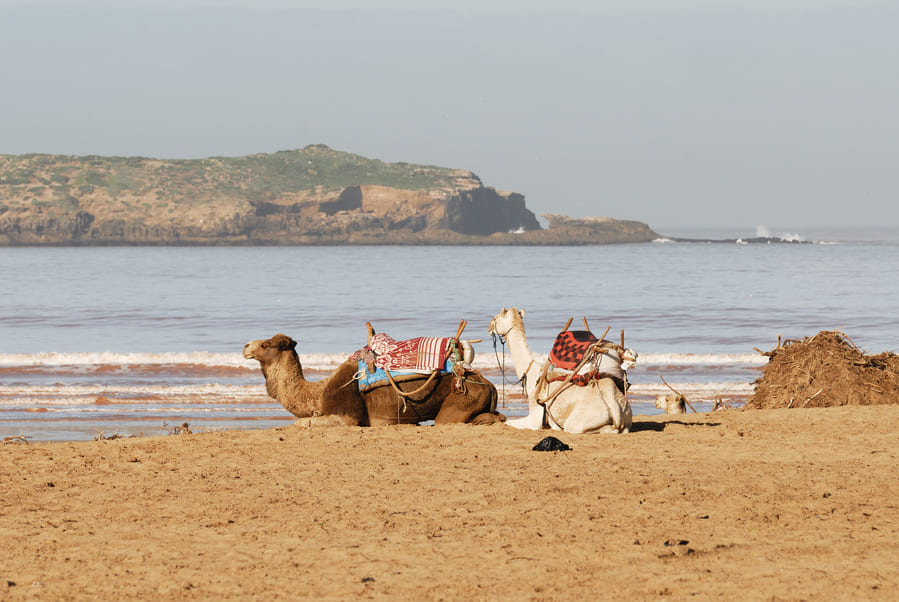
(672, 403)
(505, 321)
(268, 351)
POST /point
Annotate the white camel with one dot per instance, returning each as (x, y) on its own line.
(599, 406)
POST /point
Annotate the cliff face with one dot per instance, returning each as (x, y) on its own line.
(379, 213)
(311, 196)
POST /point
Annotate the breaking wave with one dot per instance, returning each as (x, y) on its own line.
(319, 361)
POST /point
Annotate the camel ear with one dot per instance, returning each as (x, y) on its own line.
(521, 312)
(280, 341)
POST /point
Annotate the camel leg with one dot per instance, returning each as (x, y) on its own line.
(605, 410)
(487, 418)
(321, 421)
(474, 405)
(553, 424)
(618, 405)
(451, 415)
(592, 412)
(588, 416)
(458, 408)
(464, 412)
(533, 421)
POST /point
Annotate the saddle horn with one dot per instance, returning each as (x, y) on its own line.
(462, 325)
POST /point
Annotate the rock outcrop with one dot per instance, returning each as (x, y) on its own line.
(314, 195)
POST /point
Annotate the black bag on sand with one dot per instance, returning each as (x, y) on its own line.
(551, 444)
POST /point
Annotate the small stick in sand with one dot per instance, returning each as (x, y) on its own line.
(676, 392)
(812, 397)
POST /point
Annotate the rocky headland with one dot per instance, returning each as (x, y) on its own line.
(312, 196)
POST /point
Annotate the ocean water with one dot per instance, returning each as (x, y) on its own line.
(137, 341)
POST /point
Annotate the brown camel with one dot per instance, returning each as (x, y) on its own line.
(338, 395)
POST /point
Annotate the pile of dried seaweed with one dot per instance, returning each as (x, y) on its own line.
(823, 371)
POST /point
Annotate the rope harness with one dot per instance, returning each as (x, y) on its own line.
(502, 367)
(574, 377)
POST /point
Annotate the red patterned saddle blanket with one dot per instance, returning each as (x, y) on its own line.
(420, 354)
(570, 347)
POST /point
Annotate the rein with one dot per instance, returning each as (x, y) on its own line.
(410, 394)
(502, 366)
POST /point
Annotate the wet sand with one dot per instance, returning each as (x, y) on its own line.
(761, 504)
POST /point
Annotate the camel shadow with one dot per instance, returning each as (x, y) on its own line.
(658, 427)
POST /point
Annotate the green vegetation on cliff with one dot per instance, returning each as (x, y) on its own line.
(61, 179)
(318, 167)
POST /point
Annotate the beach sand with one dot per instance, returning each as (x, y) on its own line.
(760, 504)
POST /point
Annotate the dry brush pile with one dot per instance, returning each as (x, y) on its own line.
(823, 371)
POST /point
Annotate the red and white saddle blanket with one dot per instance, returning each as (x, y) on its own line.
(422, 354)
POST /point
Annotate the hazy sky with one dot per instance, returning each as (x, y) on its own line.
(692, 113)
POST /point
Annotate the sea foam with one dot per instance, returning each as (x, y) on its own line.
(326, 361)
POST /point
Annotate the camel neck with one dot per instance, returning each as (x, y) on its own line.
(522, 357)
(285, 382)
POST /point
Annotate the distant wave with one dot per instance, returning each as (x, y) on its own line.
(764, 232)
(323, 361)
(101, 396)
(762, 236)
(109, 358)
(690, 359)
(710, 389)
(195, 358)
(131, 394)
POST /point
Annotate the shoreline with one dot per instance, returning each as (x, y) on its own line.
(754, 504)
(78, 396)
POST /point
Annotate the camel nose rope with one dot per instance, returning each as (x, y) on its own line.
(502, 368)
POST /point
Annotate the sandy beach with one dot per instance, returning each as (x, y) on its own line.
(760, 504)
